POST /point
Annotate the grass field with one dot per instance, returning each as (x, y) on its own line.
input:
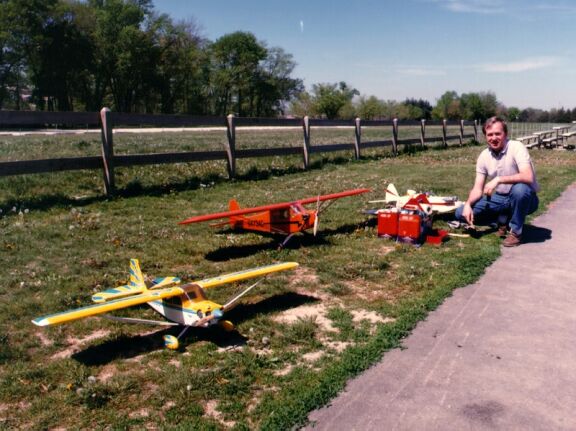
(62, 240)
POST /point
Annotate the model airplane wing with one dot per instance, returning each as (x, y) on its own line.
(244, 275)
(333, 196)
(271, 207)
(117, 304)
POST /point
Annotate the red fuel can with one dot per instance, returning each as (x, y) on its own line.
(410, 227)
(388, 223)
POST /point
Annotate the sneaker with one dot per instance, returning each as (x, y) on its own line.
(502, 230)
(512, 240)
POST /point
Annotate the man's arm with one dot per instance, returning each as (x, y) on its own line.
(474, 195)
(526, 175)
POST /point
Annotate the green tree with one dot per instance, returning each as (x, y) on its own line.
(22, 34)
(275, 87)
(179, 79)
(369, 108)
(513, 113)
(329, 99)
(447, 107)
(65, 53)
(125, 54)
(236, 57)
(11, 59)
(419, 109)
(302, 105)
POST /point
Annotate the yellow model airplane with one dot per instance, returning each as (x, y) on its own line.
(428, 203)
(181, 304)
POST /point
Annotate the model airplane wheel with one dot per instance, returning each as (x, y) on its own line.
(171, 342)
(226, 325)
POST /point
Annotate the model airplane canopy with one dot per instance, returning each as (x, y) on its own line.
(181, 304)
(285, 218)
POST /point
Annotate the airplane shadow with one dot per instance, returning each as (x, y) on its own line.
(130, 346)
(304, 239)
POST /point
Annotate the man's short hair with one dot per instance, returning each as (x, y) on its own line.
(493, 120)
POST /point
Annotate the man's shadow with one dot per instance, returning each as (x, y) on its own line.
(535, 234)
(530, 233)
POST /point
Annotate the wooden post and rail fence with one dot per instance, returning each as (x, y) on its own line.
(107, 120)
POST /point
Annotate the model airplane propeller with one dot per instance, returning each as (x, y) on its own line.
(185, 304)
(285, 218)
(427, 202)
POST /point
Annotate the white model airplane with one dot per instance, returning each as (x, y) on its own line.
(428, 203)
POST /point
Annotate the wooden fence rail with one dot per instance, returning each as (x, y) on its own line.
(106, 121)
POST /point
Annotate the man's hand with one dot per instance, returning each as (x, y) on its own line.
(491, 186)
(468, 214)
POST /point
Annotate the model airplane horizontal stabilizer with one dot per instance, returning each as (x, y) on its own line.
(136, 285)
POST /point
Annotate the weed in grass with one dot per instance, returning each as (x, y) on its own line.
(342, 320)
(338, 289)
(303, 331)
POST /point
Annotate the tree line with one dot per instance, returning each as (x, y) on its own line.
(81, 55)
(74, 55)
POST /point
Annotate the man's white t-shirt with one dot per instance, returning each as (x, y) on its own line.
(513, 156)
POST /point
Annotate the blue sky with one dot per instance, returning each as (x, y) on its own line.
(524, 51)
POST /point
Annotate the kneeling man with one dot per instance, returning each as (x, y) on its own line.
(505, 187)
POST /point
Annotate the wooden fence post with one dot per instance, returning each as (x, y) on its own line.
(444, 134)
(231, 147)
(422, 132)
(395, 136)
(306, 145)
(107, 150)
(476, 130)
(461, 132)
(358, 136)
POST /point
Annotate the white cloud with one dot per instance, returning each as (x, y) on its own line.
(532, 9)
(560, 8)
(473, 6)
(524, 65)
(420, 71)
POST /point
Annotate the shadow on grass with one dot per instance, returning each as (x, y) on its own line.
(300, 240)
(126, 347)
(534, 234)
(135, 188)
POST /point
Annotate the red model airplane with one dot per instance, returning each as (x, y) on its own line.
(285, 218)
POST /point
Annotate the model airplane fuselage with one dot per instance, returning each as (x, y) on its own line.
(285, 218)
(185, 304)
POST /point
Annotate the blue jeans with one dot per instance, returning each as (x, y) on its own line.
(511, 209)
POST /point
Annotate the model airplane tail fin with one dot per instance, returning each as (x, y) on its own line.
(136, 277)
(233, 220)
(233, 205)
(391, 193)
(135, 285)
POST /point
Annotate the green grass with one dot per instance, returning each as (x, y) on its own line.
(62, 240)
